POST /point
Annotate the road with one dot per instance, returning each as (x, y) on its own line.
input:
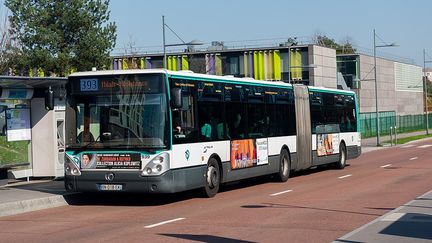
(318, 205)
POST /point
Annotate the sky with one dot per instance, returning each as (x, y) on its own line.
(243, 22)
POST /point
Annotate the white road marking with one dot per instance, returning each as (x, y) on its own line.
(345, 176)
(162, 223)
(408, 146)
(425, 146)
(278, 193)
(413, 158)
(387, 165)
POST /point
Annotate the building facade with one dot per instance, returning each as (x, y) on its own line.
(307, 64)
(400, 85)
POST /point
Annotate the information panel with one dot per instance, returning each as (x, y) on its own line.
(18, 124)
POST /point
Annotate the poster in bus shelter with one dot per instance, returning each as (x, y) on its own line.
(111, 161)
(18, 124)
(249, 153)
(327, 144)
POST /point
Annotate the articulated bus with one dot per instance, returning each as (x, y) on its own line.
(160, 131)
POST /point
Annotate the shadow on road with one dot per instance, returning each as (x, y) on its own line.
(275, 205)
(413, 225)
(206, 238)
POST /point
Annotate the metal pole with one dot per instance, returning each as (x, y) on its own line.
(376, 94)
(391, 136)
(426, 91)
(395, 134)
(163, 40)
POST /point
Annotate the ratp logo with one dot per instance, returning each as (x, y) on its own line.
(187, 154)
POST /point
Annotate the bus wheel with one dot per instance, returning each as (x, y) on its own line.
(342, 157)
(284, 167)
(212, 176)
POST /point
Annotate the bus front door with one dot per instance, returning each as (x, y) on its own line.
(304, 136)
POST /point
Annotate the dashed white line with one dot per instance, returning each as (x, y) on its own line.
(413, 158)
(425, 146)
(345, 176)
(387, 165)
(278, 193)
(162, 223)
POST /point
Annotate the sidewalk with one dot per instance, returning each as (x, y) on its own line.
(369, 144)
(22, 197)
(411, 222)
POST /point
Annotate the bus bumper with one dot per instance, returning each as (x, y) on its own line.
(353, 152)
(169, 182)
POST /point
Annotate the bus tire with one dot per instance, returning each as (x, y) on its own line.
(342, 156)
(212, 178)
(284, 166)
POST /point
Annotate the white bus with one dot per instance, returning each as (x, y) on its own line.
(160, 131)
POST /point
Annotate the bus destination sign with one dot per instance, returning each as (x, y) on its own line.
(89, 85)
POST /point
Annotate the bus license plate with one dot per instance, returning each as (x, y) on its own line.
(110, 187)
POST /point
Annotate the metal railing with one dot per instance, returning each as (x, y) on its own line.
(388, 120)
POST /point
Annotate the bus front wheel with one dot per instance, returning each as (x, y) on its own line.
(212, 176)
(284, 166)
(342, 157)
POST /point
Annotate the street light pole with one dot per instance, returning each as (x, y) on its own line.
(426, 91)
(376, 94)
(191, 43)
(376, 86)
(163, 40)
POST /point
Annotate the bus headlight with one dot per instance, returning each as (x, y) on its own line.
(71, 167)
(157, 165)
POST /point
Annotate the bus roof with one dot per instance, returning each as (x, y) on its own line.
(208, 77)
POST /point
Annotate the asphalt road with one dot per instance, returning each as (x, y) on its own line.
(314, 206)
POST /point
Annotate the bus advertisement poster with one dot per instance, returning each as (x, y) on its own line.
(118, 161)
(248, 153)
(327, 144)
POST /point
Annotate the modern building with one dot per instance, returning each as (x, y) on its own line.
(307, 64)
(400, 85)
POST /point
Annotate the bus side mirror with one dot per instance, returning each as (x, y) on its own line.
(49, 99)
(176, 98)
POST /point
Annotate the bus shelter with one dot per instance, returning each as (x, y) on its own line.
(31, 130)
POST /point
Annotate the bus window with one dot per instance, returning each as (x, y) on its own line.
(236, 119)
(258, 120)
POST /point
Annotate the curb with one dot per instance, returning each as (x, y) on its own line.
(13, 208)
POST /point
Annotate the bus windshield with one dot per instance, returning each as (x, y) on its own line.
(128, 111)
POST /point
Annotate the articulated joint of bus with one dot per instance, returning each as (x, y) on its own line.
(157, 166)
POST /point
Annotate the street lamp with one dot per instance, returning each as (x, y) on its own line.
(426, 90)
(191, 43)
(376, 85)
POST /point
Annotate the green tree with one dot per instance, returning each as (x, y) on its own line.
(61, 36)
(341, 48)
